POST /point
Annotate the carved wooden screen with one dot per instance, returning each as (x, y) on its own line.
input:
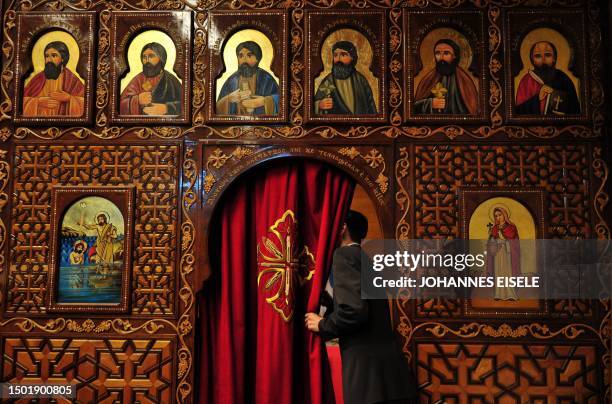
(414, 159)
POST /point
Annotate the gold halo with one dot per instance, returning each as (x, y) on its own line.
(231, 61)
(135, 48)
(564, 54)
(495, 206)
(426, 52)
(102, 213)
(38, 53)
(80, 242)
(364, 58)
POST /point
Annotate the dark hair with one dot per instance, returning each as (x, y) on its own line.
(453, 45)
(534, 45)
(347, 46)
(159, 50)
(61, 48)
(357, 225)
(252, 46)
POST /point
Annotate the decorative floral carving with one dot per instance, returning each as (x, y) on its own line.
(402, 198)
(374, 158)
(217, 160)
(601, 199)
(4, 180)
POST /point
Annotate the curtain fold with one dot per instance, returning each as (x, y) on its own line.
(273, 240)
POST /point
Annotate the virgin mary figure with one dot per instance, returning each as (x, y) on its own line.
(503, 251)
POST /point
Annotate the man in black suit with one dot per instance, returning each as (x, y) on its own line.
(373, 368)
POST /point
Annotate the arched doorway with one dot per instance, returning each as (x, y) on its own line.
(270, 244)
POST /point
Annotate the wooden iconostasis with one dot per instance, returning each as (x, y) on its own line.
(126, 120)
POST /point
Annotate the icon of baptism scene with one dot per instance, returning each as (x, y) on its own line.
(500, 224)
(248, 86)
(151, 87)
(346, 86)
(91, 252)
(546, 85)
(54, 88)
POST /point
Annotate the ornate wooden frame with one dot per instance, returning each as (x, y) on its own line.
(403, 138)
(572, 24)
(372, 24)
(222, 24)
(417, 25)
(533, 199)
(367, 165)
(30, 26)
(124, 26)
(62, 198)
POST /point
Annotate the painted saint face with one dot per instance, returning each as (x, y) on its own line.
(53, 56)
(151, 65)
(499, 217)
(245, 56)
(543, 55)
(101, 220)
(148, 56)
(342, 56)
(53, 63)
(444, 52)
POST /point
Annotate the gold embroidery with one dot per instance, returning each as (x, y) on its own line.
(281, 263)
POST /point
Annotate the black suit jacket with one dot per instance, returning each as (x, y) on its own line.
(373, 368)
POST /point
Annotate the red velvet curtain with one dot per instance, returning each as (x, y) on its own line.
(276, 232)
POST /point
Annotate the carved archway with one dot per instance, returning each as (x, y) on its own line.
(222, 167)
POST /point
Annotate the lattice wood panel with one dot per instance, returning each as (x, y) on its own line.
(153, 170)
(104, 371)
(562, 170)
(514, 373)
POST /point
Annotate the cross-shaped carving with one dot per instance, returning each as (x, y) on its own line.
(438, 207)
(155, 204)
(128, 381)
(75, 166)
(478, 166)
(35, 165)
(26, 288)
(33, 208)
(156, 166)
(153, 291)
(565, 180)
(116, 166)
(154, 248)
(36, 253)
(521, 166)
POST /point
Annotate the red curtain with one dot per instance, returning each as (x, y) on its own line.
(276, 232)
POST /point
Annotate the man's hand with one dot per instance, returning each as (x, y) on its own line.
(239, 95)
(326, 103)
(46, 102)
(145, 98)
(156, 109)
(545, 91)
(438, 103)
(60, 96)
(254, 102)
(312, 321)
